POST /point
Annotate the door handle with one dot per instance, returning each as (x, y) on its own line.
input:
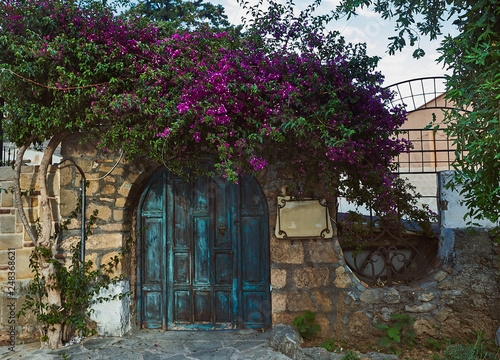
(222, 229)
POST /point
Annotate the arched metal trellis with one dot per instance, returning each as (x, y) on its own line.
(420, 94)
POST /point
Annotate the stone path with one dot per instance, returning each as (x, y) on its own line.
(172, 345)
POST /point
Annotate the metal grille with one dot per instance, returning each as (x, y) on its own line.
(395, 256)
(8, 156)
(420, 94)
(432, 151)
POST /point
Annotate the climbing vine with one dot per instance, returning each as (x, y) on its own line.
(78, 283)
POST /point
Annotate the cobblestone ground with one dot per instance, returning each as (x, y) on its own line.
(173, 345)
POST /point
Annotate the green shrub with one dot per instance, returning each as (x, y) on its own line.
(305, 325)
(349, 355)
(400, 330)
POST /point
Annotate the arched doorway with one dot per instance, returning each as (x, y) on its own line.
(203, 254)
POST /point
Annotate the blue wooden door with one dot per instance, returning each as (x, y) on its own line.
(203, 254)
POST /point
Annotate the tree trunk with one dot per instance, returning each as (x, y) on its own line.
(17, 192)
(44, 239)
(54, 332)
(45, 208)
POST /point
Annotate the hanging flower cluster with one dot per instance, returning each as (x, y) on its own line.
(316, 106)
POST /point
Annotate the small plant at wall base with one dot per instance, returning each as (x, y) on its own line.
(306, 326)
(481, 348)
(398, 332)
(349, 355)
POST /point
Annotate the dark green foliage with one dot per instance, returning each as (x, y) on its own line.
(329, 345)
(349, 355)
(305, 325)
(174, 15)
(399, 331)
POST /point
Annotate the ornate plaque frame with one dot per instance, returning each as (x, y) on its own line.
(308, 218)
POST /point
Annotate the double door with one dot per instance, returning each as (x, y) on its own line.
(203, 254)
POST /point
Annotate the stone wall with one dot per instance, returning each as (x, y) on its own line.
(454, 298)
(16, 248)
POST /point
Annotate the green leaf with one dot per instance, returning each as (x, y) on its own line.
(385, 341)
(393, 333)
(381, 326)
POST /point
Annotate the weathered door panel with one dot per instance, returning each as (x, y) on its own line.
(151, 254)
(254, 259)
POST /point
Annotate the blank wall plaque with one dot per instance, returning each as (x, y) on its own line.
(303, 219)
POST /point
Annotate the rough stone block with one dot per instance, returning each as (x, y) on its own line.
(440, 276)
(425, 328)
(69, 242)
(92, 188)
(109, 189)
(53, 184)
(7, 224)
(28, 169)
(31, 214)
(120, 202)
(92, 257)
(426, 297)
(132, 177)
(282, 251)
(7, 199)
(278, 301)
(23, 271)
(300, 301)
(325, 325)
(370, 296)
(323, 300)
(280, 331)
(311, 277)
(124, 189)
(118, 215)
(30, 201)
(283, 318)
(323, 251)
(108, 258)
(29, 182)
(104, 212)
(104, 241)
(104, 169)
(4, 257)
(84, 163)
(358, 324)
(342, 279)
(68, 201)
(7, 173)
(8, 304)
(391, 296)
(278, 278)
(14, 241)
(26, 237)
(425, 307)
(66, 174)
